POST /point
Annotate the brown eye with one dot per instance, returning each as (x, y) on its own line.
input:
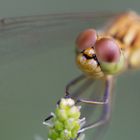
(107, 50)
(86, 39)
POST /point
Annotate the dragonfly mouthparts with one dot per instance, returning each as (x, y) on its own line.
(93, 56)
(89, 53)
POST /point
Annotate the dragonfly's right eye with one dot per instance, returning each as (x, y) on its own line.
(107, 50)
(86, 39)
(109, 55)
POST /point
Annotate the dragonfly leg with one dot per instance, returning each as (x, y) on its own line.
(93, 101)
(84, 82)
(106, 113)
(72, 83)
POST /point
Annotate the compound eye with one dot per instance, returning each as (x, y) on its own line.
(86, 39)
(107, 50)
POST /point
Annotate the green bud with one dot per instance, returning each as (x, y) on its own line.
(58, 125)
(53, 134)
(61, 114)
(66, 135)
(74, 112)
(66, 121)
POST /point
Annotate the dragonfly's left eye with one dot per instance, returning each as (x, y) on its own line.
(86, 39)
(107, 50)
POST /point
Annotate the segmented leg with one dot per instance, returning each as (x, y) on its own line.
(106, 103)
(106, 108)
(72, 83)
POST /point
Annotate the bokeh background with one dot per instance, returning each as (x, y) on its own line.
(13, 8)
(36, 62)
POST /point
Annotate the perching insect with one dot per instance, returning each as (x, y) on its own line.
(106, 54)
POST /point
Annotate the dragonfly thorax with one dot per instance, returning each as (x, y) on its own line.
(126, 29)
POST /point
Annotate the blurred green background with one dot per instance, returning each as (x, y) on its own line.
(14, 8)
(37, 61)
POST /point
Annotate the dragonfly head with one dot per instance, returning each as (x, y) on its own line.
(98, 56)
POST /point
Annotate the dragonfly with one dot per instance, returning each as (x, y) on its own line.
(104, 55)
